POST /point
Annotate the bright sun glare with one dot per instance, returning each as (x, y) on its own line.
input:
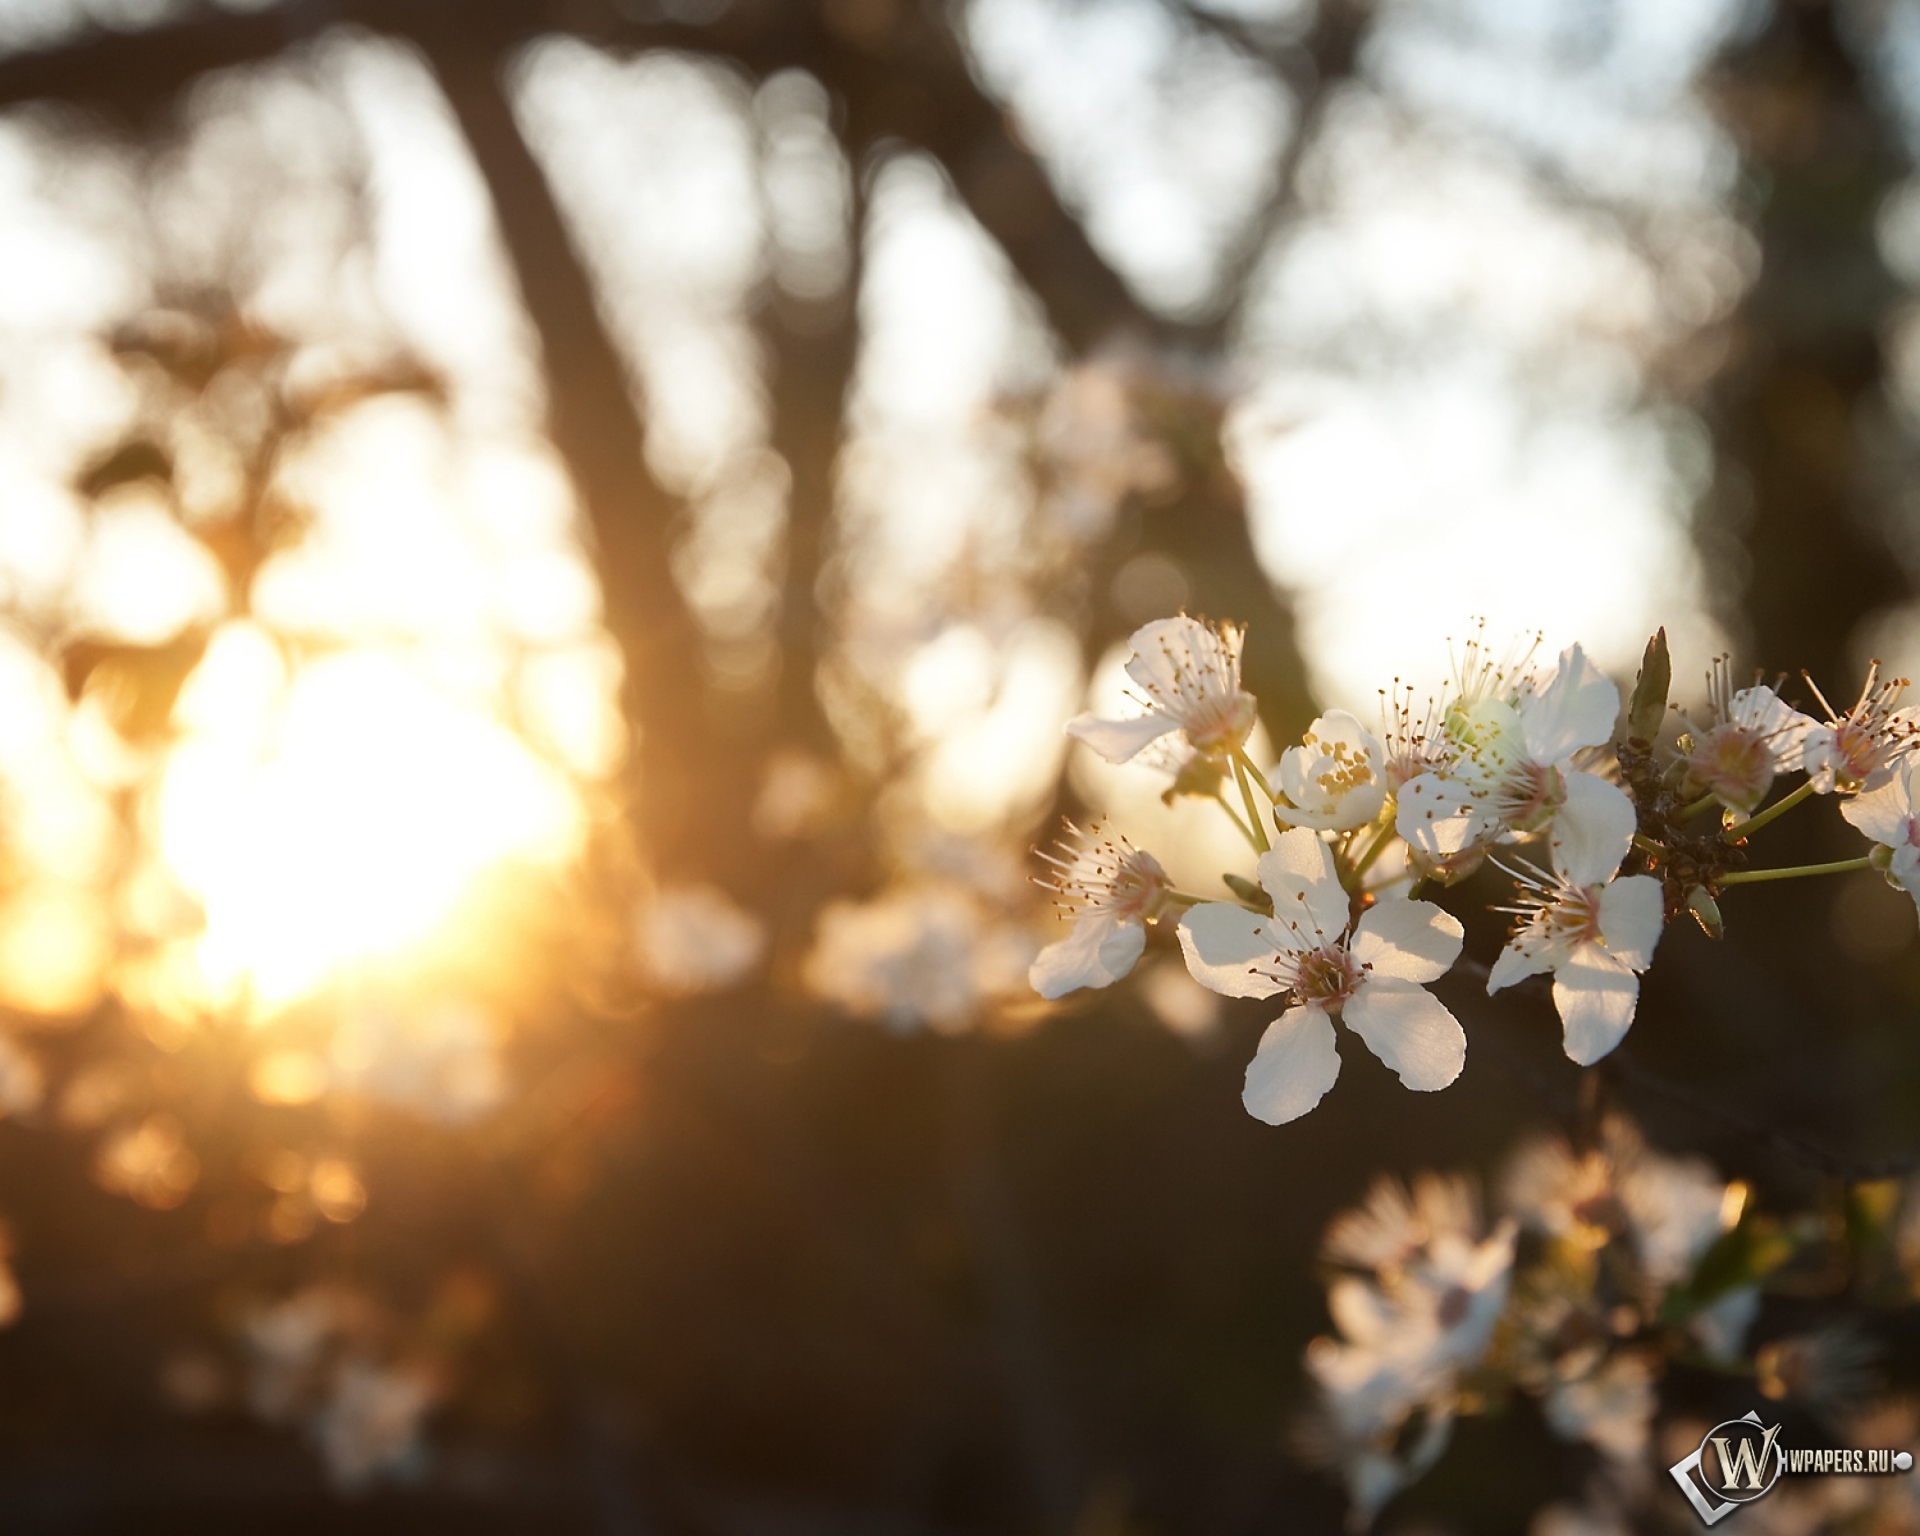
(340, 816)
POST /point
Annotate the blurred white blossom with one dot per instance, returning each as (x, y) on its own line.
(918, 956)
(440, 1060)
(695, 938)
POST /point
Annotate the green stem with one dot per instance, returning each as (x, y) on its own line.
(1688, 812)
(1795, 871)
(1246, 794)
(1648, 846)
(1234, 816)
(1779, 807)
(1378, 847)
(1187, 898)
(1240, 757)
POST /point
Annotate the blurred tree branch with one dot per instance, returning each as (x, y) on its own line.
(899, 76)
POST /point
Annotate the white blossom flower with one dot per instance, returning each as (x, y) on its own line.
(440, 1060)
(915, 956)
(309, 1362)
(1441, 1284)
(1889, 813)
(1406, 1334)
(1744, 741)
(369, 1425)
(1372, 978)
(1116, 889)
(1188, 674)
(1607, 1400)
(1593, 929)
(1851, 749)
(285, 1344)
(1335, 780)
(695, 938)
(1511, 741)
(1667, 1210)
(1375, 1460)
(1413, 741)
(1393, 1223)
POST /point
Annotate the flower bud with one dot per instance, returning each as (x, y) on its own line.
(1250, 893)
(1706, 912)
(1648, 707)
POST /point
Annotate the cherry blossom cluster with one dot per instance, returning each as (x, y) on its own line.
(1607, 1267)
(1608, 1262)
(1602, 821)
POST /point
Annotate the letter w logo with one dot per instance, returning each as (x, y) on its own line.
(1745, 1462)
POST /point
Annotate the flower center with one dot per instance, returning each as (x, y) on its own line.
(1530, 794)
(1602, 1211)
(1734, 763)
(1327, 977)
(1575, 917)
(1139, 887)
(1487, 736)
(1859, 749)
(1340, 766)
(1219, 723)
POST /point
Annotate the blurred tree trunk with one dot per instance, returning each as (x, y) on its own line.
(596, 426)
(1792, 535)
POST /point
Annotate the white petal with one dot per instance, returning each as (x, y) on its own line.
(1885, 812)
(1822, 759)
(1166, 647)
(1430, 797)
(1905, 869)
(1297, 816)
(1120, 741)
(1632, 914)
(1592, 830)
(1298, 874)
(1359, 805)
(1577, 708)
(1526, 956)
(1338, 750)
(1294, 1067)
(1355, 808)
(1340, 725)
(1596, 994)
(1101, 949)
(1409, 1029)
(1360, 1310)
(1223, 943)
(1761, 710)
(1441, 818)
(1413, 940)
